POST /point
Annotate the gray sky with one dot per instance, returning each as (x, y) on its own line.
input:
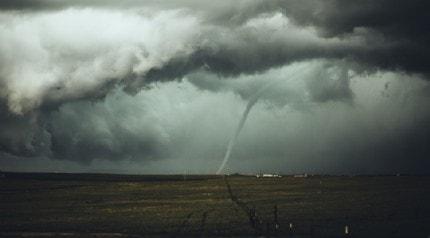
(159, 87)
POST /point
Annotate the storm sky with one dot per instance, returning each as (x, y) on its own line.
(160, 86)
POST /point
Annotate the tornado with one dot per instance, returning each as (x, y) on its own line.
(252, 101)
(233, 139)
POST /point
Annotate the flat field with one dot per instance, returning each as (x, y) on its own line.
(103, 205)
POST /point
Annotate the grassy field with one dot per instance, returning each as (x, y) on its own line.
(116, 205)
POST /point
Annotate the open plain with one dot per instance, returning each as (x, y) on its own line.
(103, 205)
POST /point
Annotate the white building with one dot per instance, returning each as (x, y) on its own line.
(268, 176)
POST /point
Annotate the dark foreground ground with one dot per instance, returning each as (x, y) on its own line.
(69, 205)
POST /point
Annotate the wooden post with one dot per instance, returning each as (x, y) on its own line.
(275, 220)
(291, 227)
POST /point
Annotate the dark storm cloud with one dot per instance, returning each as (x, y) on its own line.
(395, 32)
(22, 135)
(61, 61)
(39, 5)
(376, 35)
(85, 131)
(403, 26)
(325, 81)
(291, 129)
(24, 4)
(228, 39)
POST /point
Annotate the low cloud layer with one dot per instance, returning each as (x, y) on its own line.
(162, 85)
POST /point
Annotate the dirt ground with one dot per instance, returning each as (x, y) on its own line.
(83, 205)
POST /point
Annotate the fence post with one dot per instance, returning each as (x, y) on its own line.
(275, 222)
(290, 229)
(347, 231)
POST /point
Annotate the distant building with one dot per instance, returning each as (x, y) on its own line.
(268, 176)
